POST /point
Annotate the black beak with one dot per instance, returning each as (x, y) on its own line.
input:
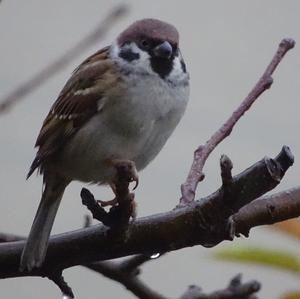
(163, 50)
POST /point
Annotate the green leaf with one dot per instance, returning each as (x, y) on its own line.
(261, 256)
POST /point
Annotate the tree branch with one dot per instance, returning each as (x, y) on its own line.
(61, 62)
(230, 211)
(205, 223)
(268, 210)
(196, 175)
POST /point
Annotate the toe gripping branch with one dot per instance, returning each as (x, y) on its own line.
(119, 214)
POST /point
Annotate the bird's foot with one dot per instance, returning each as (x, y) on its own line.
(123, 206)
(125, 173)
(125, 170)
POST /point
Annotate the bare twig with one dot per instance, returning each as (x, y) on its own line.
(115, 271)
(201, 154)
(60, 63)
(226, 167)
(126, 273)
(235, 290)
(59, 280)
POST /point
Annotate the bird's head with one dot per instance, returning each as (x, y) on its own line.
(150, 46)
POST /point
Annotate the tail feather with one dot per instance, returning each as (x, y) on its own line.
(35, 248)
(35, 164)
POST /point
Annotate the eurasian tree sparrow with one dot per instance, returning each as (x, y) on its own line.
(121, 103)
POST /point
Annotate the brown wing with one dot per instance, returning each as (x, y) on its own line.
(76, 104)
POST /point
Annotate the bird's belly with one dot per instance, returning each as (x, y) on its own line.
(87, 156)
(135, 129)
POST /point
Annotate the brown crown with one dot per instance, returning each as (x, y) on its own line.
(149, 28)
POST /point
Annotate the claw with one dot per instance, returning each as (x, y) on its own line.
(128, 168)
(136, 180)
(134, 177)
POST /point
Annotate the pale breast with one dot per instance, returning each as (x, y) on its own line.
(163, 105)
(135, 127)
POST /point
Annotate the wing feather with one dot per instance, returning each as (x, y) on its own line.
(76, 104)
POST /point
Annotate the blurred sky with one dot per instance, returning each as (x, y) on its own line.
(226, 45)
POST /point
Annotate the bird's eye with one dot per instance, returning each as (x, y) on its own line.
(145, 44)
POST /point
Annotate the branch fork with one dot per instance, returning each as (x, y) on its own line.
(196, 174)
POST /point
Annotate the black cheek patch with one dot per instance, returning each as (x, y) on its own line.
(161, 66)
(128, 55)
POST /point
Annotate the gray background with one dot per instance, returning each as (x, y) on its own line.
(226, 45)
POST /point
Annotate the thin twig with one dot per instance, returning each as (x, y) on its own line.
(59, 280)
(128, 279)
(235, 290)
(226, 167)
(61, 62)
(201, 154)
(115, 271)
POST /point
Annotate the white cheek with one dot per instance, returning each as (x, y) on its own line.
(114, 50)
(177, 72)
(141, 65)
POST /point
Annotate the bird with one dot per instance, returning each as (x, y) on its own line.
(120, 104)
